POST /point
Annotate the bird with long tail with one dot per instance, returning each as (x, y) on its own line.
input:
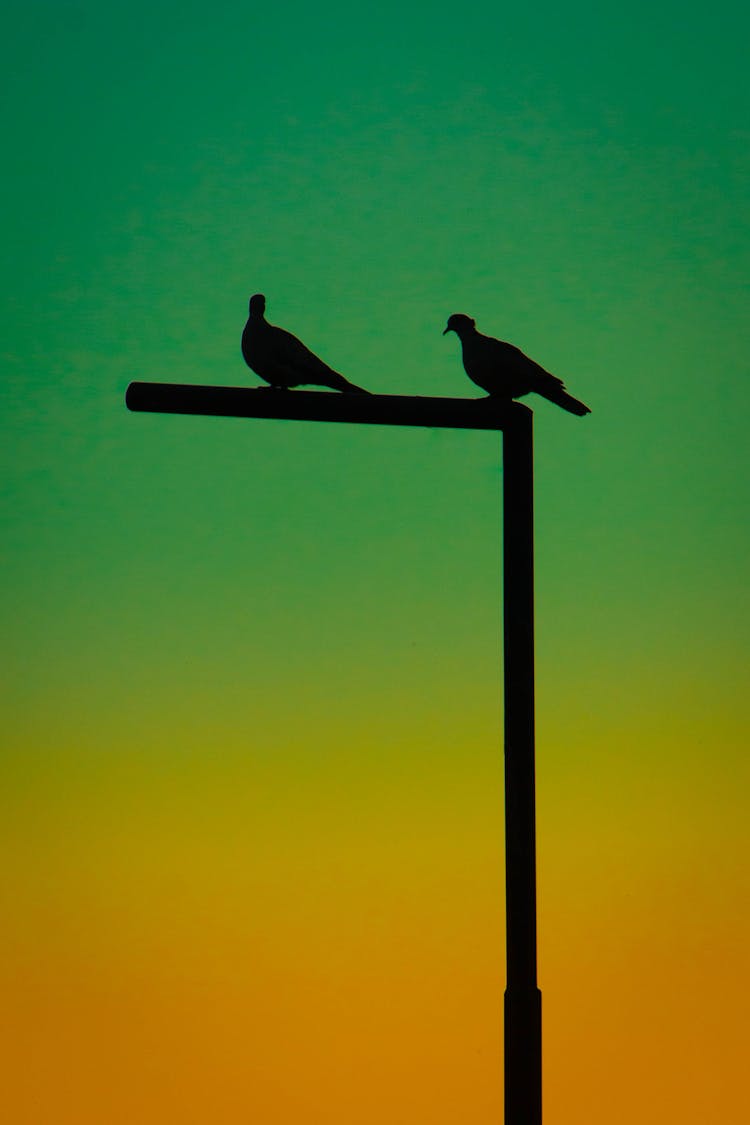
(504, 371)
(283, 360)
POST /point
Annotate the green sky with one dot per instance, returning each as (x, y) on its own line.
(574, 180)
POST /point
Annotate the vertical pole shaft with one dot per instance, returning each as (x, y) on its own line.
(523, 1000)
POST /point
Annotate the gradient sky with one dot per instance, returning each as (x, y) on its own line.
(252, 774)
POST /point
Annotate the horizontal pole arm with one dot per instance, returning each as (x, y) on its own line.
(323, 406)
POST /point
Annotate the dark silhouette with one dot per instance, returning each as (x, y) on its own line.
(504, 371)
(283, 360)
(312, 406)
(523, 999)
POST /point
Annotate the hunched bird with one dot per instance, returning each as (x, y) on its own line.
(504, 371)
(283, 360)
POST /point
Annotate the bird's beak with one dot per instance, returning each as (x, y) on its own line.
(446, 330)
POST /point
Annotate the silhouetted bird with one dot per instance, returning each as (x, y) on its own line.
(283, 360)
(504, 371)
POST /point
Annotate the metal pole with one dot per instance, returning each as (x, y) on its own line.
(523, 1000)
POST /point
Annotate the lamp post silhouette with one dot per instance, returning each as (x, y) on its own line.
(523, 1001)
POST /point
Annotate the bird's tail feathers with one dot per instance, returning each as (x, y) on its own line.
(339, 383)
(560, 397)
(552, 388)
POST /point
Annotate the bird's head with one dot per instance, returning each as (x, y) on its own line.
(257, 304)
(459, 323)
